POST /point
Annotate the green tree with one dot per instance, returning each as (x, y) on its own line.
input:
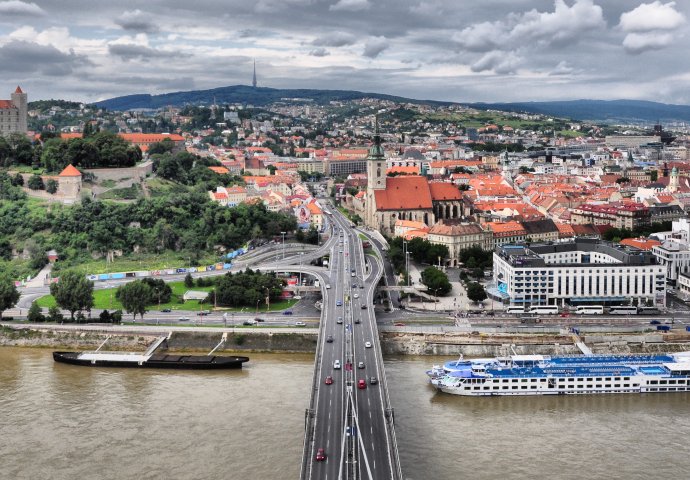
(54, 314)
(188, 281)
(73, 292)
(51, 186)
(35, 314)
(654, 175)
(134, 297)
(18, 180)
(9, 296)
(476, 292)
(105, 317)
(436, 281)
(36, 182)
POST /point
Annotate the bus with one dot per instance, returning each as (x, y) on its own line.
(590, 310)
(515, 310)
(544, 310)
(623, 310)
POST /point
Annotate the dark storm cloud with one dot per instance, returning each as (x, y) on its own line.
(335, 39)
(32, 58)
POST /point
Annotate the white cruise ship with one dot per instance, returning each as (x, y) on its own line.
(560, 375)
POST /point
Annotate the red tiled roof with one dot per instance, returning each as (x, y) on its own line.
(18, 90)
(70, 171)
(404, 193)
(150, 137)
(6, 104)
(219, 170)
(444, 191)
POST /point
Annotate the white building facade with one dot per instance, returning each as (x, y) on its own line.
(581, 272)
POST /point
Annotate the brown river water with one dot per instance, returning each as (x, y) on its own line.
(67, 422)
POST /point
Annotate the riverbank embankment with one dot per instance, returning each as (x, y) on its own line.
(305, 341)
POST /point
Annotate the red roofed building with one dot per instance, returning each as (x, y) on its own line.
(144, 140)
(619, 215)
(14, 113)
(69, 181)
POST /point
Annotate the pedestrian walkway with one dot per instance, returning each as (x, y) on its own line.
(456, 301)
(39, 280)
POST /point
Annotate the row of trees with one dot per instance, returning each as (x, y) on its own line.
(101, 149)
(421, 251)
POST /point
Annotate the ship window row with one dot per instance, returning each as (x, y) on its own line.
(667, 382)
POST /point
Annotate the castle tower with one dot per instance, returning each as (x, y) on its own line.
(254, 77)
(376, 176)
(674, 181)
(20, 101)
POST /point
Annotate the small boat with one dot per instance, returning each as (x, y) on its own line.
(150, 359)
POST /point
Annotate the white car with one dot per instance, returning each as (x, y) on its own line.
(356, 295)
(336, 365)
(328, 286)
(300, 324)
(367, 344)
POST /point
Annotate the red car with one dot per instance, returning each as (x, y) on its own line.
(398, 324)
(565, 314)
(320, 455)
(362, 384)
(329, 380)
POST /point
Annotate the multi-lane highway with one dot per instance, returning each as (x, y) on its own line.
(350, 430)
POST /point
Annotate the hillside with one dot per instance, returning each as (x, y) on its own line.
(241, 94)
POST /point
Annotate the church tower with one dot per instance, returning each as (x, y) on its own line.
(376, 176)
(673, 181)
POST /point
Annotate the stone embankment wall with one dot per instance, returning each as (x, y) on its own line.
(491, 345)
(247, 340)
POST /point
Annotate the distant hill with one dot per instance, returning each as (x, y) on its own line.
(606, 111)
(242, 94)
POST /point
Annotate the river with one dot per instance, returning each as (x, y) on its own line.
(64, 422)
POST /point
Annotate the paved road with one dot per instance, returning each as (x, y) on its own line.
(337, 408)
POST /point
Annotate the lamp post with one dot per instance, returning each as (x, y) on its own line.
(283, 234)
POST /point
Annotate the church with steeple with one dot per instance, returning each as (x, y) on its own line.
(14, 113)
(405, 197)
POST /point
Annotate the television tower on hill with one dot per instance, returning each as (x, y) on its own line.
(254, 77)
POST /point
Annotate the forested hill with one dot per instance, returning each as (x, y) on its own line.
(242, 94)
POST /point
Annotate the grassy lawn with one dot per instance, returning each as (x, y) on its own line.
(138, 262)
(105, 299)
(126, 193)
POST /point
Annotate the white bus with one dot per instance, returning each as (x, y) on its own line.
(515, 309)
(544, 310)
(590, 310)
(623, 310)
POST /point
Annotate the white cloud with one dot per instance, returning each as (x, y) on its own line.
(652, 16)
(641, 42)
(375, 46)
(482, 37)
(350, 5)
(16, 7)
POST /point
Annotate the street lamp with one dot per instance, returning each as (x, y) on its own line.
(283, 234)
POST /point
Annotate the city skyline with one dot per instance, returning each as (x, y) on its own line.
(497, 51)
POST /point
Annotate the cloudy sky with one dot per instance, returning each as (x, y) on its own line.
(458, 50)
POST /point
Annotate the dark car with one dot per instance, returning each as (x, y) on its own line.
(357, 320)
(329, 339)
(202, 314)
(364, 307)
(247, 322)
(373, 381)
(287, 312)
(166, 310)
(257, 319)
(655, 322)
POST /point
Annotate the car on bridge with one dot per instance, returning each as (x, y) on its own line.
(360, 365)
(336, 365)
(329, 339)
(362, 384)
(339, 321)
(328, 286)
(367, 344)
(364, 306)
(320, 455)
(356, 295)
(373, 381)
(339, 303)
(329, 380)
(358, 320)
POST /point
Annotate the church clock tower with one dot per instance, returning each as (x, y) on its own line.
(376, 176)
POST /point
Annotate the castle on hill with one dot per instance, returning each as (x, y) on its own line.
(14, 113)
